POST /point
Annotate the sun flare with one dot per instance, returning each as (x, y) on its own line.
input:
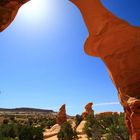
(35, 10)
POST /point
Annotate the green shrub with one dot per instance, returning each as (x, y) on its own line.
(78, 119)
(31, 133)
(5, 121)
(9, 130)
(111, 127)
(50, 122)
(66, 132)
(92, 128)
(20, 132)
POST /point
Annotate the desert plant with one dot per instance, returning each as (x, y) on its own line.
(111, 127)
(78, 119)
(31, 133)
(66, 132)
(5, 121)
(92, 128)
(9, 130)
(50, 122)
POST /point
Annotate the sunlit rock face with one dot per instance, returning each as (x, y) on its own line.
(8, 11)
(101, 115)
(61, 116)
(88, 110)
(118, 44)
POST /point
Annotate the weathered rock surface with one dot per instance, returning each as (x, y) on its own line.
(52, 132)
(8, 11)
(61, 116)
(80, 127)
(106, 114)
(118, 44)
(88, 110)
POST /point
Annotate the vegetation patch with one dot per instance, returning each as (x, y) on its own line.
(106, 127)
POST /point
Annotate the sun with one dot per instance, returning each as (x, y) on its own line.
(35, 10)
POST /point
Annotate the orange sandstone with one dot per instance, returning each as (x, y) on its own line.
(88, 110)
(8, 11)
(117, 43)
(61, 116)
(113, 40)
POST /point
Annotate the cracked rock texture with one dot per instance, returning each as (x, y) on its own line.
(61, 116)
(88, 110)
(117, 43)
(8, 11)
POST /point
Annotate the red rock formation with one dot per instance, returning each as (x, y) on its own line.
(8, 11)
(106, 114)
(88, 110)
(118, 44)
(61, 116)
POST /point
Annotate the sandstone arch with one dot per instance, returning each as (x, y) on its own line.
(117, 43)
(113, 40)
(8, 11)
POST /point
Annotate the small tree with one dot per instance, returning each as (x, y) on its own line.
(50, 123)
(31, 133)
(110, 127)
(78, 119)
(5, 121)
(66, 132)
(9, 130)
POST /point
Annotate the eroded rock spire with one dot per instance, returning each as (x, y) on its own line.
(88, 110)
(61, 116)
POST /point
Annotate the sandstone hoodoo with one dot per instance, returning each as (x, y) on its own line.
(8, 11)
(88, 110)
(61, 116)
(117, 43)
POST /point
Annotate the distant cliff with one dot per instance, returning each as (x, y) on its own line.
(26, 111)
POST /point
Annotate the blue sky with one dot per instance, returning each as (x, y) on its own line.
(42, 62)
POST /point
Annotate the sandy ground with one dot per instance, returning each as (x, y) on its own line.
(81, 137)
(52, 138)
(52, 133)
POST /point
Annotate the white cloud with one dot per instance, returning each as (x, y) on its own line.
(107, 103)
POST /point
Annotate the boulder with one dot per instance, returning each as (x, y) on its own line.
(8, 11)
(51, 132)
(61, 116)
(117, 44)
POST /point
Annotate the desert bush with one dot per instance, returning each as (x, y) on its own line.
(20, 132)
(31, 133)
(50, 122)
(111, 127)
(78, 119)
(7, 138)
(9, 130)
(118, 129)
(66, 132)
(47, 123)
(5, 121)
(92, 128)
(12, 118)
